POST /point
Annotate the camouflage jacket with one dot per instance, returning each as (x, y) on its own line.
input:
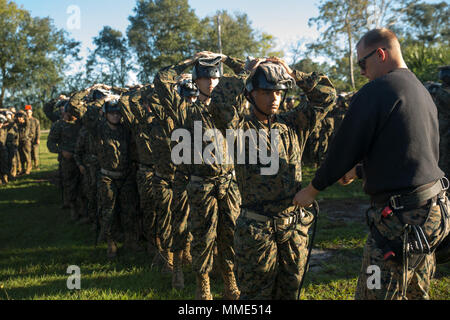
(63, 136)
(35, 130)
(25, 130)
(85, 149)
(12, 139)
(114, 148)
(139, 120)
(3, 136)
(50, 112)
(271, 193)
(174, 109)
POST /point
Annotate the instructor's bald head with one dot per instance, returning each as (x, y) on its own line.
(379, 52)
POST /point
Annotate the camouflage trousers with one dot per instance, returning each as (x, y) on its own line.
(35, 155)
(25, 155)
(144, 179)
(270, 264)
(89, 181)
(391, 271)
(180, 214)
(117, 197)
(214, 208)
(4, 164)
(13, 158)
(163, 195)
(71, 180)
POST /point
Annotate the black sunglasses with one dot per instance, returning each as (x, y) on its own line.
(362, 61)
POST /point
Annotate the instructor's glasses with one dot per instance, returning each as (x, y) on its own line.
(362, 61)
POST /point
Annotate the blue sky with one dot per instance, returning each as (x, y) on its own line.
(287, 20)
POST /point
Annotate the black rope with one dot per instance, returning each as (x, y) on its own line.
(310, 246)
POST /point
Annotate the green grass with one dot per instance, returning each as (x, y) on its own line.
(38, 242)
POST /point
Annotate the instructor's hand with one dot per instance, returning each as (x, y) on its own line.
(305, 197)
(349, 177)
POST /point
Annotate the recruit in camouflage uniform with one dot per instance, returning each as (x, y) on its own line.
(4, 167)
(36, 136)
(62, 140)
(54, 108)
(85, 149)
(116, 180)
(139, 121)
(86, 160)
(12, 144)
(25, 136)
(271, 247)
(212, 191)
(175, 219)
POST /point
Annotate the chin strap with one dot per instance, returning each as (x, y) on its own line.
(204, 94)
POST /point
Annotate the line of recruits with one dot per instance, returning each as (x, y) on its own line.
(20, 135)
(115, 148)
(117, 144)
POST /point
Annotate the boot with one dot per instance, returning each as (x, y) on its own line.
(168, 261)
(177, 275)
(187, 258)
(203, 291)
(230, 289)
(5, 179)
(28, 170)
(111, 252)
(158, 261)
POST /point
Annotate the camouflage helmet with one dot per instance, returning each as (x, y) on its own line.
(444, 74)
(270, 76)
(21, 114)
(100, 93)
(207, 68)
(111, 105)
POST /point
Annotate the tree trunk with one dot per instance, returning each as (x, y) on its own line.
(2, 94)
(350, 55)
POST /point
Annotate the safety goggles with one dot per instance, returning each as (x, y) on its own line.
(362, 61)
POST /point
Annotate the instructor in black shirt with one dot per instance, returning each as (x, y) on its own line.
(390, 138)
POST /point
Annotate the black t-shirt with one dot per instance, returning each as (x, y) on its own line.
(392, 128)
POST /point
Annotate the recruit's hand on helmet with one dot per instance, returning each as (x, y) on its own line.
(281, 62)
(252, 64)
(208, 55)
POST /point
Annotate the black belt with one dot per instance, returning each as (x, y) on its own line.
(412, 200)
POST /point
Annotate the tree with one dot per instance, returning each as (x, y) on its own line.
(266, 45)
(32, 56)
(427, 23)
(424, 61)
(161, 33)
(343, 22)
(110, 62)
